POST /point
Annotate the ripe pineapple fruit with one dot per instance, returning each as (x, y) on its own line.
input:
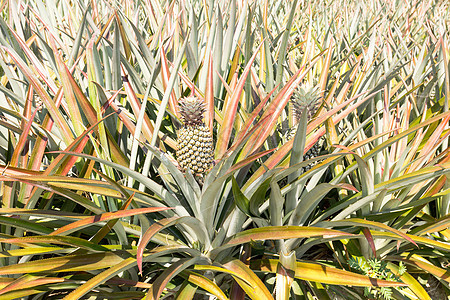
(195, 142)
(304, 99)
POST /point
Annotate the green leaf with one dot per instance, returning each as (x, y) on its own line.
(239, 198)
(311, 199)
(297, 157)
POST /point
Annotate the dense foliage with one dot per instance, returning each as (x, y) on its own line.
(329, 122)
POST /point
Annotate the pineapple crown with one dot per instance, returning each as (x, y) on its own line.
(191, 110)
(305, 99)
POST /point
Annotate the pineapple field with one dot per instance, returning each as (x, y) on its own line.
(225, 149)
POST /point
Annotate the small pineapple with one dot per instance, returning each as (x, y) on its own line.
(309, 100)
(195, 142)
(304, 99)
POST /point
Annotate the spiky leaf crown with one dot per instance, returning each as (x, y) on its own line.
(191, 110)
(305, 99)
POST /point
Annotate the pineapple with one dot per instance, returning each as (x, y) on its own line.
(302, 99)
(195, 142)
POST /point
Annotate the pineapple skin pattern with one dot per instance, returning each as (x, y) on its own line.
(195, 142)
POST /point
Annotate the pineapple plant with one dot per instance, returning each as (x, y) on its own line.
(195, 141)
(309, 100)
(82, 236)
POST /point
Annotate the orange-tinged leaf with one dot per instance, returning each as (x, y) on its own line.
(231, 110)
(8, 199)
(219, 269)
(162, 280)
(209, 96)
(282, 232)
(324, 274)
(66, 133)
(34, 60)
(68, 89)
(412, 283)
(123, 35)
(100, 278)
(205, 284)
(40, 146)
(245, 127)
(4, 281)
(415, 238)
(29, 281)
(69, 263)
(271, 114)
(430, 145)
(270, 163)
(32, 251)
(326, 69)
(105, 217)
(440, 225)
(68, 183)
(23, 138)
(249, 160)
(21, 294)
(64, 240)
(422, 263)
(256, 290)
(146, 237)
(278, 233)
(373, 224)
(99, 235)
(370, 240)
(147, 127)
(173, 107)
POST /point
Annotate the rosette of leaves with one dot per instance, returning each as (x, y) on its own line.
(132, 225)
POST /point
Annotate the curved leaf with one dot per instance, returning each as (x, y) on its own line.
(28, 281)
(416, 239)
(101, 278)
(324, 274)
(205, 284)
(160, 225)
(422, 263)
(175, 268)
(105, 217)
(311, 199)
(278, 233)
(372, 224)
(256, 290)
(414, 285)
